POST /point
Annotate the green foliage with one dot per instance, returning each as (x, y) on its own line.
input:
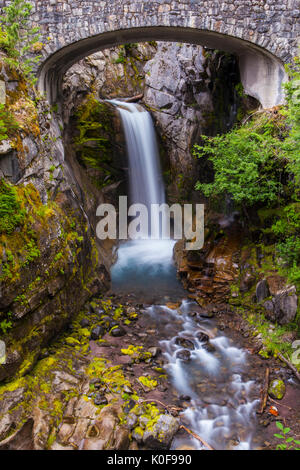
(248, 162)
(92, 121)
(32, 252)
(7, 122)
(94, 142)
(124, 51)
(3, 39)
(288, 443)
(18, 37)
(148, 382)
(5, 325)
(121, 59)
(258, 165)
(272, 340)
(287, 229)
(58, 256)
(11, 214)
(3, 128)
(292, 112)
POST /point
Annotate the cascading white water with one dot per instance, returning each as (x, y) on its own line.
(145, 178)
(222, 406)
(143, 260)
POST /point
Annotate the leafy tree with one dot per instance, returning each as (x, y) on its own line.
(258, 164)
(292, 112)
(248, 162)
(18, 37)
(287, 229)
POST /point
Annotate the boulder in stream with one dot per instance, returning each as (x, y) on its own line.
(184, 342)
(184, 355)
(277, 389)
(117, 331)
(203, 337)
(97, 332)
(161, 434)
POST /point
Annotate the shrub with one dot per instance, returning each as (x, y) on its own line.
(5, 325)
(7, 123)
(258, 164)
(292, 113)
(11, 214)
(18, 38)
(287, 442)
(287, 228)
(248, 162)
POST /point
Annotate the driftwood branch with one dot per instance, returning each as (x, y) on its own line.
(290, 365)
(196, 437)
(133, 99)
(281, 404)
(264, 394)
(167, 407)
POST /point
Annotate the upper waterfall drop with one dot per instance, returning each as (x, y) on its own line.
(145, 178)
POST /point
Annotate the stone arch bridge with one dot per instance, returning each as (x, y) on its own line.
(262, 33)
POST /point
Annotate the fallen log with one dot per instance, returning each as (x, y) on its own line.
(264, 394)
(133, 99)
(167, 407)
(290, 365)
(280, 404)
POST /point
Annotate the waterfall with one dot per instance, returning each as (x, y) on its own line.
(145, 178)
(144, 261)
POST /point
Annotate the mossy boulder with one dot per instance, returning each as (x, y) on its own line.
(277, 389)
(160, 435)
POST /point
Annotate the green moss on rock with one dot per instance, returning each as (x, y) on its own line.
(277, 389)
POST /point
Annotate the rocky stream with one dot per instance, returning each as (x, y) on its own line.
(135, 344)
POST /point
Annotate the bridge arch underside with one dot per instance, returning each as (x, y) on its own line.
(262, 74)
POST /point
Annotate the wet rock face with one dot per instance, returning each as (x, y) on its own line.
(97, 332)
(183, 93)
(112, 73)
(285, 305)
(106, 433)
(9, 163)
(282, 306)
(75, 400)
(184, 343)
(209, 273)
(183, 87)
(82, 425)
(184, 355)
(177, 93)
(262, 290)
(45, 261)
